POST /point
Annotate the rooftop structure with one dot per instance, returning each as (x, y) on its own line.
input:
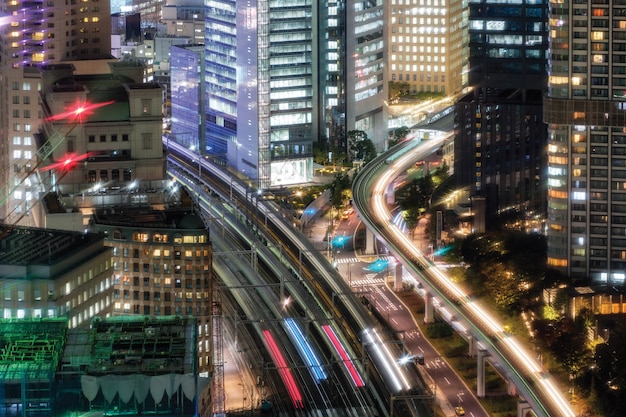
(44, 33)
(118, 142)
(30, 354)
(115, 366)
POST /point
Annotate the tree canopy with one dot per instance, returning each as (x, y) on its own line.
(361, 147)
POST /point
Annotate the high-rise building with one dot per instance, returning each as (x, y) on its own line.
(366, 82)
(500, 134)
(161, 256)
(161, 265)
(42, 32)
(585, 109)
(184, 18)
(281, 78)
(427, 45)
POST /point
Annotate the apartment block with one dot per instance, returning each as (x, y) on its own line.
(585, 108)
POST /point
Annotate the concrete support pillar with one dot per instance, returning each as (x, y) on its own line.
(480, 374)
(370, 242)
(471, 346)
(429, 311)
(397, 276)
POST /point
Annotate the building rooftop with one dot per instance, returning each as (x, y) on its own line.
(132, 345)
(146, 217)
(32, 247)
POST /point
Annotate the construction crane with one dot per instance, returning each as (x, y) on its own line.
(75, 116)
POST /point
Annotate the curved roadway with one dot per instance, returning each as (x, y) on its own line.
(467, 316)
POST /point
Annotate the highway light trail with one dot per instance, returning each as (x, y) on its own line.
(285, 372)
(306, 350)
(384, 357)
(384, 216)
(341, 351)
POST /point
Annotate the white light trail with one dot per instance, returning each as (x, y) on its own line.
(384, 216)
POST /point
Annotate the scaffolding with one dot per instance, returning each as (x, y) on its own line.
(30, 352)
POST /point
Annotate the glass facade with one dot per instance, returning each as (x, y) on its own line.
(586, 112)
(261, 78)
(501, 136)
(507, 38)
(220, 77)
(187, 98)
(367, 86)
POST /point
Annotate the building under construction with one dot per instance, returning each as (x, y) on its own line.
(120, 365)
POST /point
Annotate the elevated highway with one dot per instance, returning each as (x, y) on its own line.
(536, 388)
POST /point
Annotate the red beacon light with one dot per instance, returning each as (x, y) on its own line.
(78, 112)
(68, 162)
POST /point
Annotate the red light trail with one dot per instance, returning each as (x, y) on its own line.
(78, 112)
(285, 372)
(354, 374)
(68, 162)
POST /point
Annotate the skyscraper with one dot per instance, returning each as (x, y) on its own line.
(41, 32)
(428, 45)
(585, 109)
(500, 134)
(280, 77)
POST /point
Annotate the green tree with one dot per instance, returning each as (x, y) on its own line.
(398, 135)
(360, 147)
(340, 190)
(502, 284)
(411, 217)
(320, 153)
(397, 90)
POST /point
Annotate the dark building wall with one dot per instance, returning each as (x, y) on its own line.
(500, 141)
(500, 136)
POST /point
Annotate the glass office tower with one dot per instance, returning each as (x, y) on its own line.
(260, 95)
(585, 108)
(275, 73)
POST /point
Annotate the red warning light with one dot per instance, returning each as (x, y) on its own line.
(68, 162)
(78, 111)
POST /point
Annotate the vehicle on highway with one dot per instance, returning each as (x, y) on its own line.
(459, 411)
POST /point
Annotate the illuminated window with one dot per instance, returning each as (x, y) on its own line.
(579, 115)
(597, 36)
(140, 237)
